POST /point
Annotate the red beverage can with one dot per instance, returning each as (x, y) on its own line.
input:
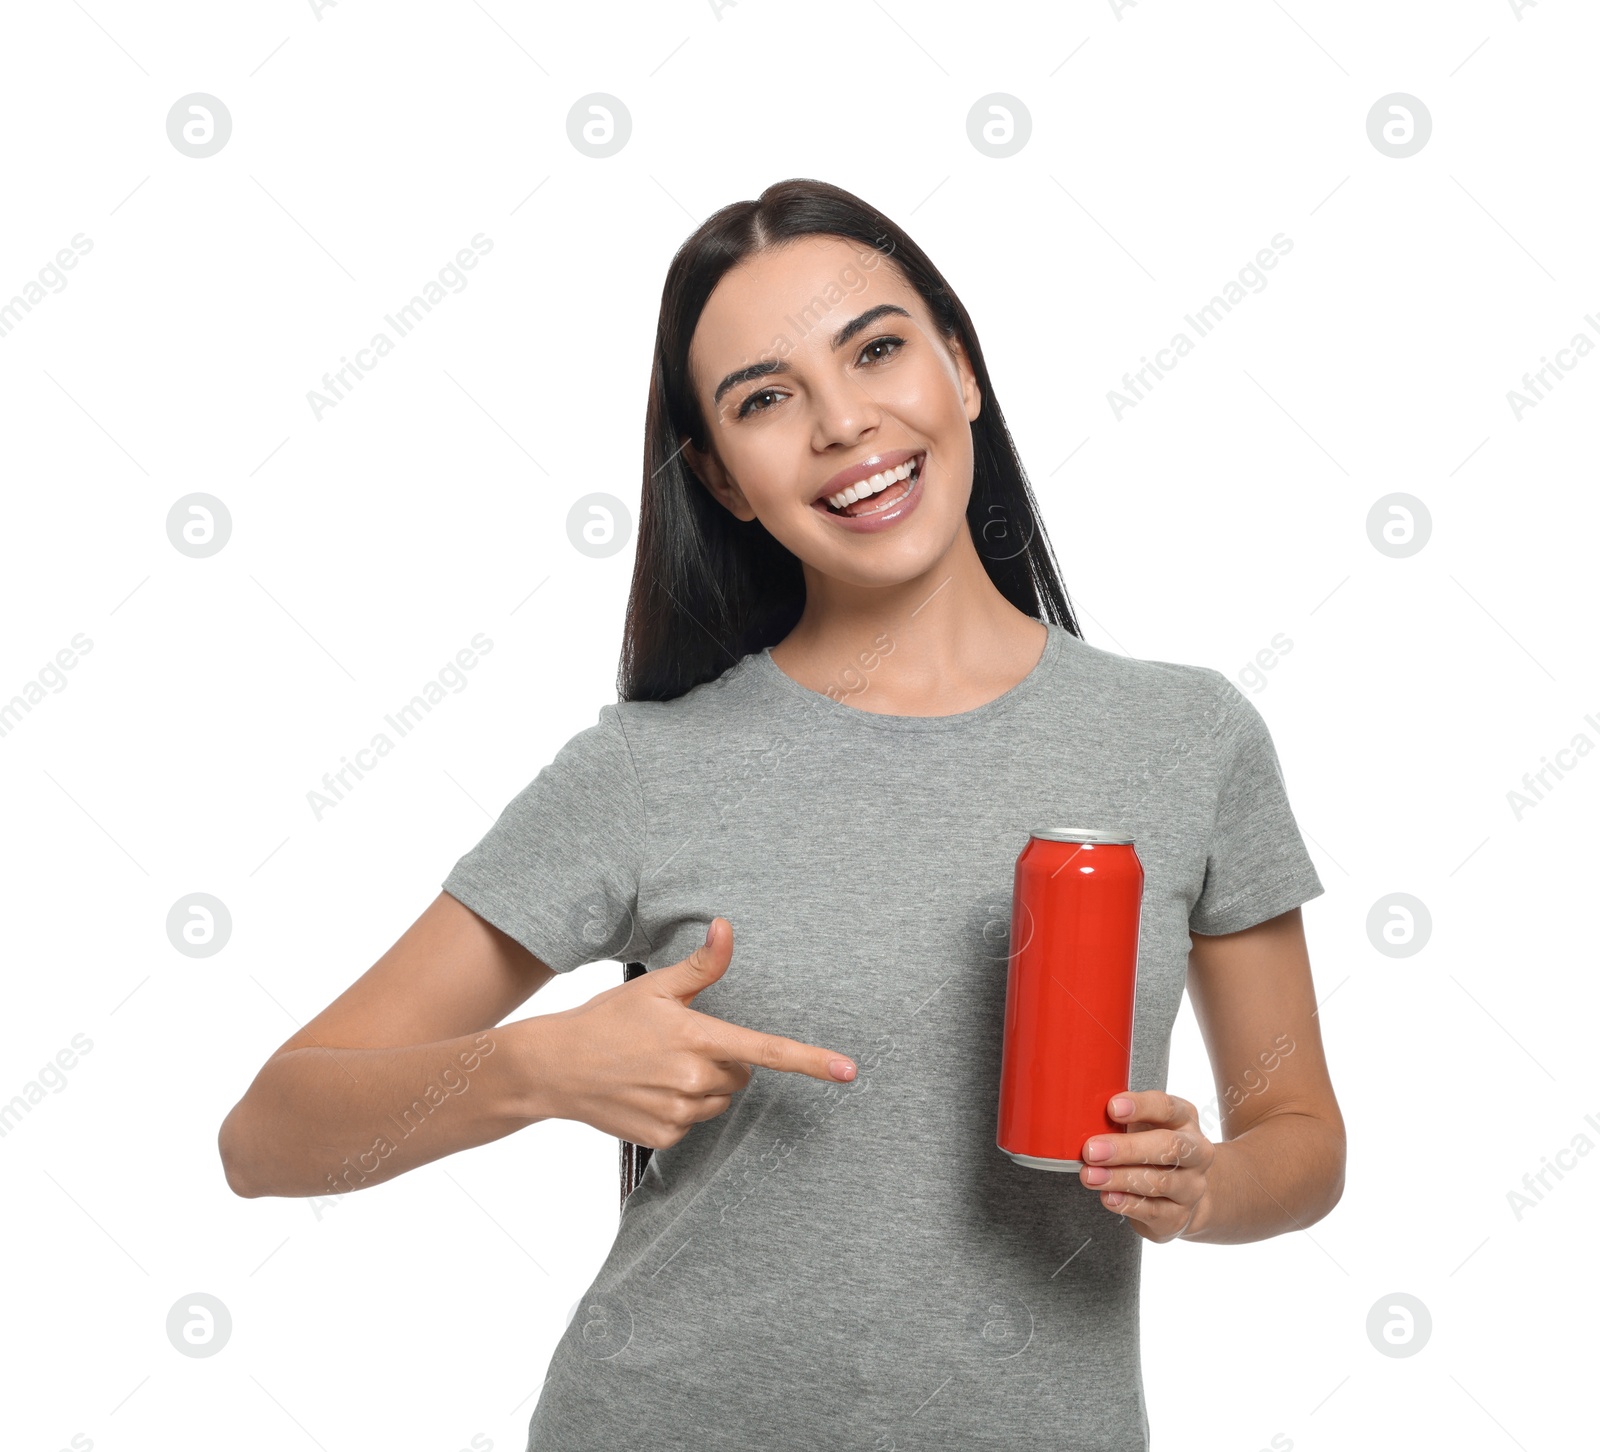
(1070, 982)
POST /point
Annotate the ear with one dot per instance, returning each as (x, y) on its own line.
(971, 394)
(708, 469)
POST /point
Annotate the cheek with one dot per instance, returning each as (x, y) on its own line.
(772, 494)
(930, 405)
(925, 395)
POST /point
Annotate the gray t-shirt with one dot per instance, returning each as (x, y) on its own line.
(858, 1266)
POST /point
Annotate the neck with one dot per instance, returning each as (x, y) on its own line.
(942, 642)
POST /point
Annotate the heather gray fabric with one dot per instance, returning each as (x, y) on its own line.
(857, 1266)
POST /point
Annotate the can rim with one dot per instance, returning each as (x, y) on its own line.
(1100, 835)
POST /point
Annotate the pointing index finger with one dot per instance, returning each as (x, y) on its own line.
(773, 1051)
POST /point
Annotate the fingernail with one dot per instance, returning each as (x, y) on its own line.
(1094, 1175)
(1122, 1105)
(1098, 1150)
(708, 932)
(841, 1069)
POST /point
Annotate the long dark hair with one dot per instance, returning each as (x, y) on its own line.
(708, 588)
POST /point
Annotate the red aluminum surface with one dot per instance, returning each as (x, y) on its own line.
(1069, 996)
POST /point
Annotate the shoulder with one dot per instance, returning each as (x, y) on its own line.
(1171, 692)
(711, 709)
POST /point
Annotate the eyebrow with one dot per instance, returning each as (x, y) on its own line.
(770, 366)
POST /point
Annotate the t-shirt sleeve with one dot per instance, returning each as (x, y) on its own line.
(1257, 865)
(559, 869)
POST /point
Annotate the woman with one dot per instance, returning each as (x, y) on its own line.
(851, 685)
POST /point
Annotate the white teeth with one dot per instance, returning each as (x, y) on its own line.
(875, 485)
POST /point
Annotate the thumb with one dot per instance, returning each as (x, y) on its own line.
(701, 968)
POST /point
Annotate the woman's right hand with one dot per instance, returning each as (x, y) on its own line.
(637, 1062)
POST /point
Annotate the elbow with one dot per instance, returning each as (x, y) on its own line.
(1333, 1193)
(236, 1161)
(1336, 1194)
(1333, 1179)
(1337, 1134)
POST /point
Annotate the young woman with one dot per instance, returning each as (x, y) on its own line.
(851, 686)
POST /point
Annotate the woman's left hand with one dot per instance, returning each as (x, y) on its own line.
(1155, 1174)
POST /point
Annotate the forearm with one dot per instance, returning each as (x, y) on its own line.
(325, 1121)
(1283, 1173)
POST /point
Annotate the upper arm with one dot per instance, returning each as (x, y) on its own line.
(450, 973)
(1255, 1002)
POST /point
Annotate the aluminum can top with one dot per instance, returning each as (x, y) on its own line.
(1081, 834)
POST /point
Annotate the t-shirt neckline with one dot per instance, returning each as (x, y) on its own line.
(770, 670)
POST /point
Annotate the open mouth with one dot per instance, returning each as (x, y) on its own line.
(880, 492)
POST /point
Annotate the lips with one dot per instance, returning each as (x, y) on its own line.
(887, 509)
(877, 464)
(865, 499)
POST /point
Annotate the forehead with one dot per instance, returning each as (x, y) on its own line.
(791, 299)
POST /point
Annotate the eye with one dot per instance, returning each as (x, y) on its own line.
(749, 405)
(887, 340)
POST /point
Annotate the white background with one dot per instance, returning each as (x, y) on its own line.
(1169, 144)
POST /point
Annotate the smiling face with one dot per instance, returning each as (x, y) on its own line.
(821, 378)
